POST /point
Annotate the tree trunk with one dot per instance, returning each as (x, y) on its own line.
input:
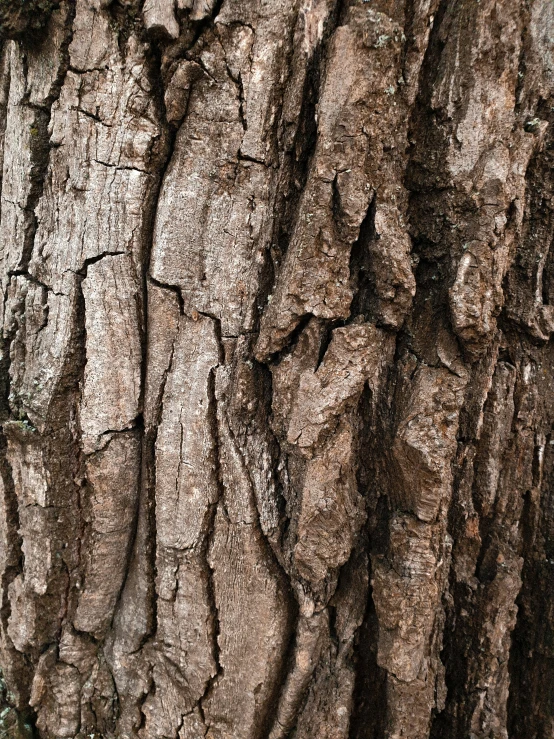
(277, 395)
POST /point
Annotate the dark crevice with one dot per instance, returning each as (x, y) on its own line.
(364, 293)
(86, 70)
(208, 542)
(326, 338)
(297, 164)
(83, 272)
(292, 340)
(31, 278)
(370, 697)
(120, 168)
(266, 394)
(200, 62)
(76, 573)
(105, 438)
(548, 277)
(95, 118)
(175, 289)
(246, 158)
(531, 694)
(242, 112)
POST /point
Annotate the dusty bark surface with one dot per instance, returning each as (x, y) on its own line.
(277, 377)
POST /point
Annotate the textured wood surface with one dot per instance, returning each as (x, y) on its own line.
(277, 377)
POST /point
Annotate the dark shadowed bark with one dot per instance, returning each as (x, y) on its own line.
(277, 402)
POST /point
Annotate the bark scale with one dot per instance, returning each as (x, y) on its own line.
(277, 372)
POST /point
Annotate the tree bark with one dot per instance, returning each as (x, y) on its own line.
(276, 395)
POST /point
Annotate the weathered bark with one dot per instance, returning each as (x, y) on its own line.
(277, 373)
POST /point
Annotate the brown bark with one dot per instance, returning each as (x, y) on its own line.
(277, 373)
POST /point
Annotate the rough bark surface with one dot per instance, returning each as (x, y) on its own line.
(277, 377)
